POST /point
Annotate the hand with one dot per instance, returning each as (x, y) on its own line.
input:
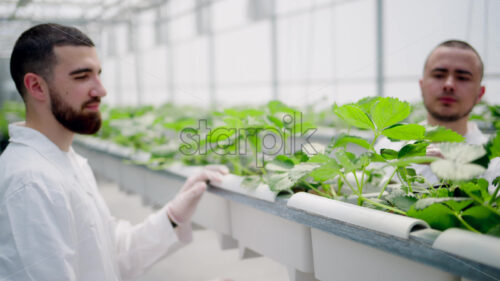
(181, 208)
(433, 151)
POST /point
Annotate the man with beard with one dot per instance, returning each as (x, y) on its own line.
(451, 87)
(54, 224)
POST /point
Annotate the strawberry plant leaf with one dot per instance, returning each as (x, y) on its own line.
(494, 231)
(442, 134)
(389, 111)
(366, 103)
(301, 170)
(481, 218)
(405, 132)
(251, 182)
(426, 202)
(354, 116)
(389, 154)
(344, 139)
(280, 182)
(438, 216)
(405, 161)
(324, 173)
(410, 150)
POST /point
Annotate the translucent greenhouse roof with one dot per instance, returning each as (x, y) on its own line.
(18, 15)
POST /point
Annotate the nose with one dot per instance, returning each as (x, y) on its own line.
(98, 90)
(449, 84)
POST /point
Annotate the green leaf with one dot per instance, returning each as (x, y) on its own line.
(319, 158)
(401, 200)
(251, 182)
(437, 216)
(343, 140)
(426, 202)
(279, 107)
(481, 218)
(366, 103)
(389, 154)
(389, 111)
(276, 121)
(442, 134)
(324, 173)
(405, 132)
(279, 166)
(280, 182)
(405, 161)
(410, 150)
(493, 146)
(354, 116)
(458, 205)
(301, 170)
(346, 160)
(494, 231)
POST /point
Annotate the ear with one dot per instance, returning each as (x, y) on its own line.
(481, 94)
(420, 83)
(35, 86)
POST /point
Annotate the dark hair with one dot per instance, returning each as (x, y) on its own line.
(34, 50)
(461, 45)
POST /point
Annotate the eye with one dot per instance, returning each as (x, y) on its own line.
(81, 77)
(438, 75)
(463, 78)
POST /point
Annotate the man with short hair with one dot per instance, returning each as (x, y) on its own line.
(54, 224)
(451, 87)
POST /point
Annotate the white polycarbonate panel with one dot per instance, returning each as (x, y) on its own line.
(355, 39)
(191, 62)
(229, 14)
(155, 76)
(492, 55)
(317, 95)
(306, 45)
(492, 90)
(182, 28)
(406, 90)
(192, 95)
(287, 6)
(128, 94)
(176, 7)
(145, 30)
(250, 95)
(413, 28)
(351, 92)
(244, 55)
(108, 79)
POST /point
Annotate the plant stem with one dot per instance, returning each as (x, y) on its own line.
(348, 184)
(360, 187)
(385, 206)
(494, 195)
(332, 190)
(315, 189)
(387, 183)
(468, 226)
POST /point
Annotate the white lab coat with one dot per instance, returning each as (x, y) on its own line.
(54, 224)
(473, 136)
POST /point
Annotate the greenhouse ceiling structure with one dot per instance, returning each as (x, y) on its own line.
(224, 52)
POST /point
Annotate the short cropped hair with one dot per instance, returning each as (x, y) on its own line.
(461, 45)
(34, 50)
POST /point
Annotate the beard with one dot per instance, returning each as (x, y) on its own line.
(449, 117)
(77, 121)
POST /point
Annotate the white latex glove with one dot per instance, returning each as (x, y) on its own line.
(433, 150)
(181, 208)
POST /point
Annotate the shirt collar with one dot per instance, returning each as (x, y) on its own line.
(21, 134)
